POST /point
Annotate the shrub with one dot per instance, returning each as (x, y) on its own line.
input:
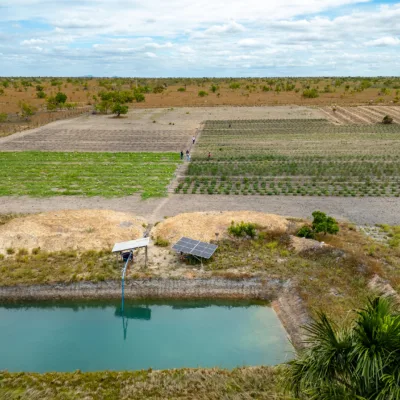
(310, 93)
(61, 98)
(158, 89)
(3, 117)
(22, 252)
(306, 232)
(234, 85)
(139, 97)
(387, 119)
(242, 229)
(181, 89)
(324, 224)
(40, 95)
(1, 256)
(214, 88)
(10, 250)
(161, 242)
(202, 93)
(36, 250)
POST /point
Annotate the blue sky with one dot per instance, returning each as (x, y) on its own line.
(196, 38)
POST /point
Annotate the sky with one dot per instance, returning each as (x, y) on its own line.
(199, 38)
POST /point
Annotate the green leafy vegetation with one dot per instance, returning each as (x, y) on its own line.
(310, 93)
(387, 119)
(360, 361)
(295, 158)
(202, 93)
(242, 229)
(159, 241)
(42, 174)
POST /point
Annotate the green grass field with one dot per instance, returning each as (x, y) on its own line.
(43, 174)
(296, 158)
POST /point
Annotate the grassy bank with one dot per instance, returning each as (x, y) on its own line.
(259, 383)
(43, 174)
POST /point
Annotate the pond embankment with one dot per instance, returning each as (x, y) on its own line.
(286, 303)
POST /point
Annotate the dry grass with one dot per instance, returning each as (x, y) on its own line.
(69, 229)
(241, 383)
(205, 225)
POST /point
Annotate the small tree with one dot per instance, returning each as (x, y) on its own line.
(119, 109)
(387, 119)
(39, 88)
(51, 103)
(139, 97)
(61, 98)
(214, 88)
(40, 94)
(321, 224)
(27, 110)
(310, 93)
(324, 224)
(202, 93)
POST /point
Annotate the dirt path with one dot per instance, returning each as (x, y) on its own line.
(362, 211)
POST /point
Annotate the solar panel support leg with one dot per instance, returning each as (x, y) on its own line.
(145, 257)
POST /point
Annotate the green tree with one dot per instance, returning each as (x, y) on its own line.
(51, 103)
(139, 97)
(41, 94)
(119, 109)
(360, 361)
(214, 88)
(27, 110)
(39, 88)
(61, 98)
(324, 224)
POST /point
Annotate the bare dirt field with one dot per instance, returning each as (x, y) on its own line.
(142, 130)
(361, 211)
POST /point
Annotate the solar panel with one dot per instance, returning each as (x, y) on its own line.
(132, 244)
(195, 247)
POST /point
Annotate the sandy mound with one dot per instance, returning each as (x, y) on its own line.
(302, 244)
(204, 225)
(80, 230)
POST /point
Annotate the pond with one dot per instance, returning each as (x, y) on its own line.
(92, 336)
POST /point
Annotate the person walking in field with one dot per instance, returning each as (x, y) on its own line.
(209, 155)
(193, 139)
(181, 155)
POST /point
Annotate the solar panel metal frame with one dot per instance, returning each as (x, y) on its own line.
(195, 247)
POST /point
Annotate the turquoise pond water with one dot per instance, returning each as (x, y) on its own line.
(92, 336)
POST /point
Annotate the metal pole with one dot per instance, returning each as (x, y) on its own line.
(145, 257)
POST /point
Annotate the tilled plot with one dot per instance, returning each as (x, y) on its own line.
(364, 115)
(118, 140)
(295, 158)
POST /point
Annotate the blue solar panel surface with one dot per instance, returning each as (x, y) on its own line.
(195, 247)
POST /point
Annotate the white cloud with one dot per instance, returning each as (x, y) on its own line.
(32, 42)
(249, 43)
(384, 41)
(289, 36)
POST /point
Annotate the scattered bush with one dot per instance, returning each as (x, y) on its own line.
(242, 229)
(158, 89)
(324, 224)
(321, 224)
(202, 93)
(36, 250)
(3, 117)
(119, 109)
(387, 119)
(310, 93)
(181, 89)
(10, 250)
(234, 85)
(161, 242)
(22, 252)
(40, 95)
(139, 97)
(306, 232)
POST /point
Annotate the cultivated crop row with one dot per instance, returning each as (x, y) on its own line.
(295, 157)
